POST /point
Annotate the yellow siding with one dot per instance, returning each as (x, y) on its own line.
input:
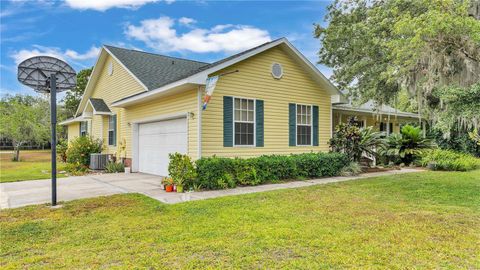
(185, 102)
(254, 80)
(73, 131)
(111, 88)
(96, 129)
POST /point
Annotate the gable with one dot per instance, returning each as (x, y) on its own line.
(258, 70)
(109, 87)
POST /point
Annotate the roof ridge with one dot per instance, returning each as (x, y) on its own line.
(156, 54)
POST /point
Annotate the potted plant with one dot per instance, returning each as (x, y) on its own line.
(168, 182)
(179, 184)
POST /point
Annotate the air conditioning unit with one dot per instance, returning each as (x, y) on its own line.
(99, 161)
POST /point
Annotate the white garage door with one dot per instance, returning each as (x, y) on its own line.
(156, 140)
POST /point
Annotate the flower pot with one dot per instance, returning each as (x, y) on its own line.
(179, 188)
(127, 169)
(174, 188)
(169, 188)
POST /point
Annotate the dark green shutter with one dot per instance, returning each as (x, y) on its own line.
(80, 129)
(259, 120)
(315, 125)
(292, 129)
(114, 130)
(227, 121)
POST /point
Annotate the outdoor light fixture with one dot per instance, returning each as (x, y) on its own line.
(45, 75)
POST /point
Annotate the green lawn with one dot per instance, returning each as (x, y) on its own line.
(34, 164)
(426, 220)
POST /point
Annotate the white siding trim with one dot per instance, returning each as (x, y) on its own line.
(129, 72)
(199, 123)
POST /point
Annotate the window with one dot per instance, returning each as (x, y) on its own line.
(112, 130)
(383, 128)
(83, 128)
(244, 121)
(304, 125)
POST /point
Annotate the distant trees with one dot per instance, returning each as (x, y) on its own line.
(378, 48)
(74, 96)
(24, 119)
(421, 55)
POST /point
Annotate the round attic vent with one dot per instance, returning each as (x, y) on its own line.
(277, 70)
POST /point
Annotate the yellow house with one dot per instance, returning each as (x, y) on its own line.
(382, 118)
(268, 100)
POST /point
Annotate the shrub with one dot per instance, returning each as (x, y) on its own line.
(181, 169)
(62, 147)
(408, 145)
(80, 149)
(219, 173)
(353, 141)
(76, 169)
(215, 173)
(448, 160)
(114, 167)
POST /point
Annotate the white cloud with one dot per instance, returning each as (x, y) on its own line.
(102, 5)
(90, 54)
(161, 35)
(186, 21)
(67, 55)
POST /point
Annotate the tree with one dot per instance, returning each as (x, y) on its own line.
(378, 48)
(25, 119)
(74, 96)
(457, 107)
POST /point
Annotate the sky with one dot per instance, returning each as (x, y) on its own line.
(75, 30)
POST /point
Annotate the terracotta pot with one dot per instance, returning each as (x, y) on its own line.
(169, 188)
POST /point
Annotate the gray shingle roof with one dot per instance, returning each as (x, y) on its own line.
(99, 105)
(155, 70)
(160, 66)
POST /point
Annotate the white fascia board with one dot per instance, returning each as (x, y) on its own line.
(89, 83)
(129, 72)
(71, 120)
(200, 78)
(338, 99)
(152, 93)
(332, 89)
(404, 114)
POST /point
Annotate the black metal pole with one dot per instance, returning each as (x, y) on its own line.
(53, 120)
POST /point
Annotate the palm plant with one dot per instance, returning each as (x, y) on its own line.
(370, 142)
(407, 145)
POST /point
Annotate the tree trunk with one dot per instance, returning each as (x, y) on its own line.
(16, 153)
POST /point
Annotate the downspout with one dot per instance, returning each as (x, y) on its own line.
(199, 122)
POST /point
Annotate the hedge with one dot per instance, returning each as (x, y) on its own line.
(448, 160)
(220, 173)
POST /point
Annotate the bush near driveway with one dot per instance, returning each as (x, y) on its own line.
(219, 173)
(448, 160)
(80, 148)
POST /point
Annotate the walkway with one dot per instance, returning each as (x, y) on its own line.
(24, 193)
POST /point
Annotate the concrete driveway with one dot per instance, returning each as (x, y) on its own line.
(23, 193)
(71, 188)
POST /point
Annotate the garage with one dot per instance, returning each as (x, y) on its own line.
(156, 140)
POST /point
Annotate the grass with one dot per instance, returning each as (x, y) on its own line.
(34, 164)
(426, 220)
